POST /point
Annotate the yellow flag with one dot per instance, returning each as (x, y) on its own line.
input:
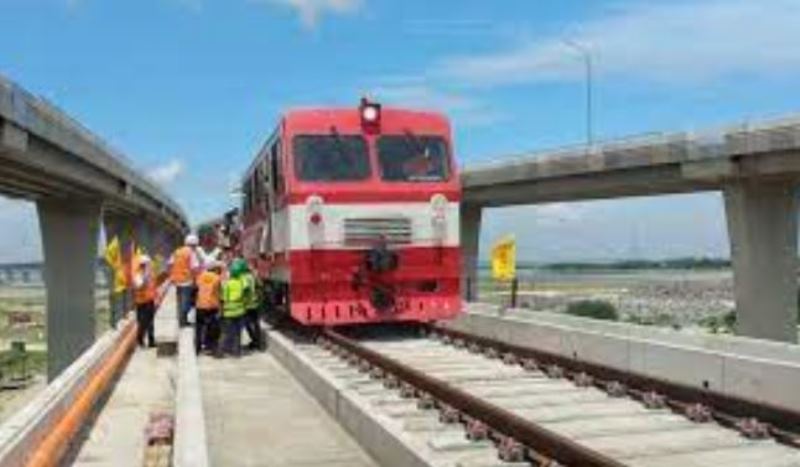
(504, 259)
(158, 263)
(113, 256)
(112, 253)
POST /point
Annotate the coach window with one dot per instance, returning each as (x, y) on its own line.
(413, 158)
(277, 172)
(331, 158)
(247, 197)
(258, 188)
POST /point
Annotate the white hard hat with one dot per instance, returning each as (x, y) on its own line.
(144, 259)
(191, 240)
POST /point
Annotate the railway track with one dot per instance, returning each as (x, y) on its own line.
(490, 403)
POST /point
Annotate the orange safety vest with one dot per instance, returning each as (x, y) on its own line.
(208, 287)
(182, 266)
(146, 293)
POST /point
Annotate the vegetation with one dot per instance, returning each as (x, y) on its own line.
(719, 324)
(676, 263)
(18, 365)
(659, 319)
(596, 309)
(691, 263)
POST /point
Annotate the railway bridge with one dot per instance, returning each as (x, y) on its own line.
(77, 183)
(495, 387)
(755, 166)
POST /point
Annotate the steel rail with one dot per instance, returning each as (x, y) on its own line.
(783, 423)
(543, 442)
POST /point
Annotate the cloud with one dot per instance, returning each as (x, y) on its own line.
(167, 173)
(417, 93)
(310, 11)
(677, 42)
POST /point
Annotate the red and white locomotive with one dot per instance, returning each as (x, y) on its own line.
(352, 216)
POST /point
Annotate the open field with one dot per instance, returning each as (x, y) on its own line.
(22, 318)
(676, 298)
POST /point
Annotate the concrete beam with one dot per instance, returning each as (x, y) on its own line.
(470, 239)
(70, 230)
(13, 137)
(762, 226)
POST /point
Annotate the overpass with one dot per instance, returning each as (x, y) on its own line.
(756, 167)
(77, 182)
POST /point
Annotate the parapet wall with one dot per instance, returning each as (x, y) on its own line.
(755, 369)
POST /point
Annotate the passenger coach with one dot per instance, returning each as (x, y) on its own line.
(352, 216)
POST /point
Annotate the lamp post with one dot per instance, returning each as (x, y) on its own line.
(587, 59)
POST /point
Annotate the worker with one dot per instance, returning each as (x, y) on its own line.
(184, 265)
(234, 298)
(206, 321)
(144, 283)
(251, 318)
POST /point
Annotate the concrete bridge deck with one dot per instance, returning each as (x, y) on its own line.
(255, 410)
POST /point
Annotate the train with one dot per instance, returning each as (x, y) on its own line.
(351, 215)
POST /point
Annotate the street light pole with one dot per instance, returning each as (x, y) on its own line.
(587, 59)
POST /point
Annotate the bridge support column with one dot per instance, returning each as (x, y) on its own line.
(142, 236)
(762, 227)
(470, 238)
(70, 230)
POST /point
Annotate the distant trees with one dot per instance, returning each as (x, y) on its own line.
(676, 263)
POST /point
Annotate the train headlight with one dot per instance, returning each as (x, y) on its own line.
(439, 216)
(370, 115)
(314, 207)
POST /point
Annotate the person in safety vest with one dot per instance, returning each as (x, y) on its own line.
(235, 293)
(145, 290)
(184, 265)
(251, 318)
(206, 321)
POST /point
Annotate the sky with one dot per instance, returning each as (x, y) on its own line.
(189, 90)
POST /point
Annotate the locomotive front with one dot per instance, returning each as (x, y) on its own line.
(373, 216)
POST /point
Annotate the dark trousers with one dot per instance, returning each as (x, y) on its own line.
(253, 328)
(232, 335)
(206, 329)
(144, 318)
(185, 303)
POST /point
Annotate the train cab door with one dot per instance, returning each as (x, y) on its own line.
(275, 228)
(274, 186)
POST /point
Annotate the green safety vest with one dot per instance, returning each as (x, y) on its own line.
(233, 297)
(251, 297)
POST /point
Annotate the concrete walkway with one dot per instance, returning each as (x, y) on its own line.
(117, 437)
(258, 415)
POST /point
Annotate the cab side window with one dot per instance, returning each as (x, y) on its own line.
(277, 169)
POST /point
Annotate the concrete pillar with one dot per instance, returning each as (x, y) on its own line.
(70, 230)
(470, 238)
(762, 227)
(143, 236)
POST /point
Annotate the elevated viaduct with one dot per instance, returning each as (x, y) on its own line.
(77, 181)
(755, 167)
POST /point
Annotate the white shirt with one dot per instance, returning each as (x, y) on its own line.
(208, 258)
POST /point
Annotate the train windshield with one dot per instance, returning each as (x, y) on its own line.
(413, 158)
(327, 158)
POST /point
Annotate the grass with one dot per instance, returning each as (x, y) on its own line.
(596, 309)
(11, 362)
